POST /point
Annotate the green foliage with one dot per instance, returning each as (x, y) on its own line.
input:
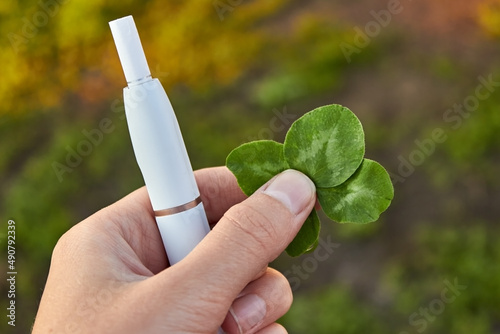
(314, 67)
(467, 256)
(412, 283)
(362, 198)
(326, 144)
(267, 160)
(333, 310)
(471, 141)
(306, 239)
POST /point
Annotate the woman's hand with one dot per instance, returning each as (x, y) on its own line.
(109, 273)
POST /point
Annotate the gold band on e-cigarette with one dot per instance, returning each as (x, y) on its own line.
(177, 209)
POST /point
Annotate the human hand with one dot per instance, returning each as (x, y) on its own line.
(109, 273)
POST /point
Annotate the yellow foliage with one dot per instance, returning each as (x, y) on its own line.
(60, 51)
(489, 16)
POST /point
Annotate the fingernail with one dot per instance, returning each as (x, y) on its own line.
(293, 189)
(248, 312)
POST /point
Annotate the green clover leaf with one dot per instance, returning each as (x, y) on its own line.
(307, 238)
(362, 198)
(327, 144)
(255, 163)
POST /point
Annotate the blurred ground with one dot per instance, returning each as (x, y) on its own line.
(227, 79)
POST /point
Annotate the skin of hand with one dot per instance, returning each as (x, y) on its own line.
(110, 274)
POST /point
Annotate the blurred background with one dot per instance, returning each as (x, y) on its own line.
(422, 76)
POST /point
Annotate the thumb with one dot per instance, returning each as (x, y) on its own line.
(253, 233)
(249, 236)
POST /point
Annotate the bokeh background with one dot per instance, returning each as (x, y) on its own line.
(239, 70)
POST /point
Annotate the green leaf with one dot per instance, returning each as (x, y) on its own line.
(362, 198)
(307, 238)
(255, 163)
(327, 144)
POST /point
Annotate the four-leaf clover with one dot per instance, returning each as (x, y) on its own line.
(327, 144)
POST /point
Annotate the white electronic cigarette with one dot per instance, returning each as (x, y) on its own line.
(159, 148)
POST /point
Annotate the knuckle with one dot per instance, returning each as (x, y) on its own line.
(75, 240)
(256, 230)
(65, 242)
(68, 241)
(63, 247)
(282, 291)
